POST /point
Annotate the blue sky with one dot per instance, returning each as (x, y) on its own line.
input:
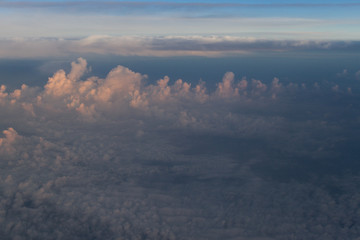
(296, 19)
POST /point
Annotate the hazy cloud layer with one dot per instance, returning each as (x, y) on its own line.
(211, 46)
(117, 158)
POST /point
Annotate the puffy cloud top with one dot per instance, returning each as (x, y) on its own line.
(118, 158)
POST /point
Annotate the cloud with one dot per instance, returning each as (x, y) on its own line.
(6, 143)
(357, 74)
(343, 74)
(211, 46)
(226, 87)
(119, 157)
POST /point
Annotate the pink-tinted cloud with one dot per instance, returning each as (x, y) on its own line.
(117, 157)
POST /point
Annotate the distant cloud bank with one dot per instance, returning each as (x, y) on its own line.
(211, 46)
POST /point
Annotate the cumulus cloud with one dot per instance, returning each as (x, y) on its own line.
(6, 143)
(343, 74)
(226, 88)
(117, 157)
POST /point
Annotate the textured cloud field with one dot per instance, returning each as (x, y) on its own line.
(121, 158)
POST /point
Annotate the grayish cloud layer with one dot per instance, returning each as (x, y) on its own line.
(162, 46)
(116, 158)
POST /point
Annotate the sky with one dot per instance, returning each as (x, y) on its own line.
(179, 120)
(63, 27)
